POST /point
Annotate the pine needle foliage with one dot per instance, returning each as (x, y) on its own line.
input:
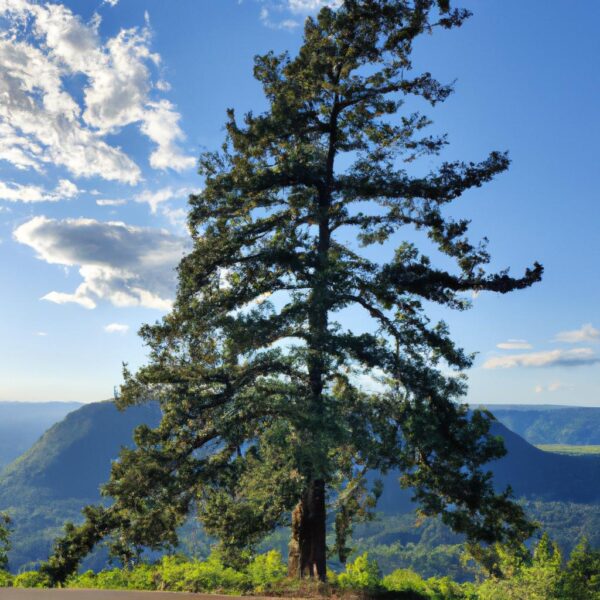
(301, 223)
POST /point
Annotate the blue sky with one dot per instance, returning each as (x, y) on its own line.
(105, 106)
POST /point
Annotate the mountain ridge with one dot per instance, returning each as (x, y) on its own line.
(64, 469)
(22, 423)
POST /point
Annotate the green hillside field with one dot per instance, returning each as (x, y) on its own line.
(570, 449)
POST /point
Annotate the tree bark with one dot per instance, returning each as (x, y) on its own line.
(307, 549)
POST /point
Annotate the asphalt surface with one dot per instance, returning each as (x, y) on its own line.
(55, 594)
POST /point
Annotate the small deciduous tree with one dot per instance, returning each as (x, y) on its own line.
(258, 367)
(581, 578)
(4, 540)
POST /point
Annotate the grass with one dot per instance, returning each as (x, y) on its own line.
(570, 449)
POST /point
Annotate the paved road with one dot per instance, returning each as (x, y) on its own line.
(21, 594)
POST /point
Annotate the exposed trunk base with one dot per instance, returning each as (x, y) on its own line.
(307, 548)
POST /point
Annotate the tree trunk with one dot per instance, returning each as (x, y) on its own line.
(307, 548)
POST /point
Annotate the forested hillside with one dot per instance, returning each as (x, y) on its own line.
(64, 469)
(62, 472)
(22, 423)
(552, 425)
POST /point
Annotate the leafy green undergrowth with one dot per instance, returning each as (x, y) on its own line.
(265, 574)
(540, 574)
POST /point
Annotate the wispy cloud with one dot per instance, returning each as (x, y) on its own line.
(111, 202)
(160, 201)
(42, 123)
(15, 192)
(154, 198)
(551, 358)
(268, 21)
(551, 387)
(289, 14)
(116, 328)
(514, 345)
(307, 6)
(585, 334)
(119, 263)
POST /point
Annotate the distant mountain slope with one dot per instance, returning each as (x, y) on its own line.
(62, 472)
(531, 473)
(64, 469)
(552, 425)
(22, 423)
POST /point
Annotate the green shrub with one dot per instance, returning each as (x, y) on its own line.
(113, 579)
(85, 580)
(178, 575)
(142, 577)
(6, 579)
(444, 588)
(31, 579)
(361, 574)
(405, 580)
(266, 570)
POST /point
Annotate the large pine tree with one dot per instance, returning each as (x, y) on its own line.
(274, 407)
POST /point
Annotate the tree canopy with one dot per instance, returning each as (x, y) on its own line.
(277, 400)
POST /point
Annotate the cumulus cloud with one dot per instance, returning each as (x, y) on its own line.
(41, 122)
(585, 334)
(15, 192)
(514, 345)
(551, 358)
(161, 125)
(116, 328)
(119, 263)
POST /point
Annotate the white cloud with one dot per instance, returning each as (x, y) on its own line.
(111, 3)
(15, 192)
(551, 387)
(154, 198)
(43, 120)
(176, 216)
(514, 345)
(161, 125)
(119, 263)
(550, 358)
(41, 123)
(288, 14)
(306, 6)
(267, 21)
(111, 202)
(41, 333)
(586, 333)
(116, 328)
